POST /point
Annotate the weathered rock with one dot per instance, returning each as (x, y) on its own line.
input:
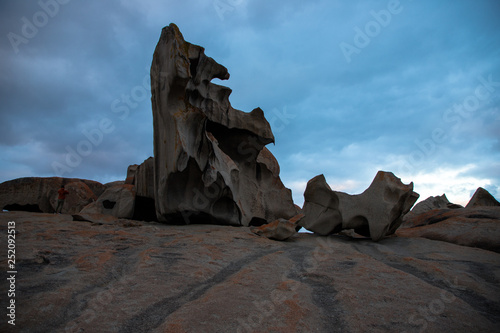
(131, 173)
(111, 184)
(210, 161)
(375, 213)
(40, 194)
(142, 176)
(476, 226)
(280, 229)
(125, 277)
(431, 203)
(79, 196)
(118, 201)
(482, 198)
(144, 179)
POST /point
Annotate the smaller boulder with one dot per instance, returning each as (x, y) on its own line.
(80, 195)
(280, 229)
(118, 201)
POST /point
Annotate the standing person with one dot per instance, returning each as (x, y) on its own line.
(60, 199)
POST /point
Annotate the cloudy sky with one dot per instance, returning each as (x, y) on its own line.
(349, 87)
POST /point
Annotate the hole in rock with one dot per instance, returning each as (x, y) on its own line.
(193, 66)
(108, 204)
(226, 211)
(145, 209)
(23, 208)
(257, 222)
(358, 222)
(363, 231)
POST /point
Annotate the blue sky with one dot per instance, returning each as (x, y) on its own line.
(349, 87)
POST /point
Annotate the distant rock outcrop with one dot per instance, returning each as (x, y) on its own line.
(375, 213)
(482, 198)
(117, 182)
(210, 159)
(474, 226)
(40, 194)
(429, 204)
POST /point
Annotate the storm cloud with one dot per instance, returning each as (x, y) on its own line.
(349, 88)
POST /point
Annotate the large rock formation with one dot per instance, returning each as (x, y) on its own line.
(375, 213)
(210, 161)
(40, 194)
(127, 276)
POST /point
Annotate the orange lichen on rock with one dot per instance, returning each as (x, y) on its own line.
(94, 260)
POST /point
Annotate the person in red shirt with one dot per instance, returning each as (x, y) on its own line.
(60, 199)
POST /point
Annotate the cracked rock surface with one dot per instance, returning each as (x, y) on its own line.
(118, 275)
